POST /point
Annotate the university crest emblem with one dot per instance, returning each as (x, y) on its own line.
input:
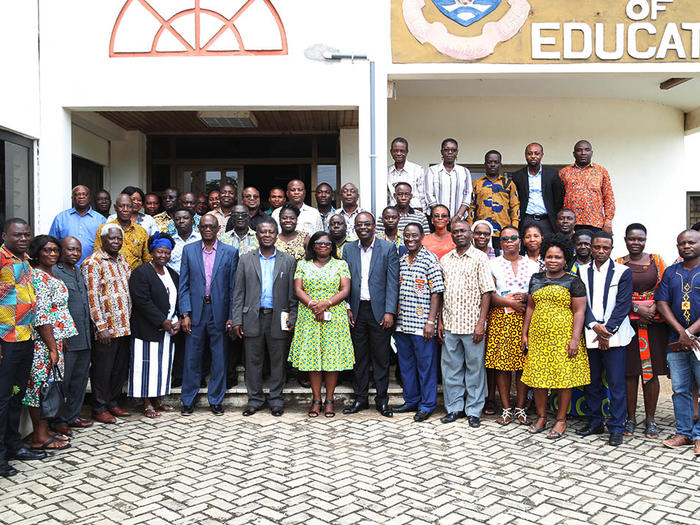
(465, 13)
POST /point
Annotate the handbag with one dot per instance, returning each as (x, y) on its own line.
(51, 393)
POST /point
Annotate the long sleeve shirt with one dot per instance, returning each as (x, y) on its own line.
(449, 188)
(589, 192)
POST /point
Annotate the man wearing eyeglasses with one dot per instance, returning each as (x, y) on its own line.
(251, 201)
(241, 236)
(448, 183)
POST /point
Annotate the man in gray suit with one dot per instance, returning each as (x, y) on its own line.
(374, 295)
(264, 311)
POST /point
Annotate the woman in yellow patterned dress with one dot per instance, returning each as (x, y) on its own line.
(322, 333)
(556, 354)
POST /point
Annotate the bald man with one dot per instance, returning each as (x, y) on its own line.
(309, 218)
(80, 221)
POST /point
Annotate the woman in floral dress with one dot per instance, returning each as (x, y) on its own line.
(53, 324)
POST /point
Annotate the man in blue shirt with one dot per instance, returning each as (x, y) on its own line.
(678, 302)
(81, 222)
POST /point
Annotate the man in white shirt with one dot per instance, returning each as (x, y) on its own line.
(448, 183)
(309, 218)
(404, 171)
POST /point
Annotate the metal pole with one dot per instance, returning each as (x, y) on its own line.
(373, 152)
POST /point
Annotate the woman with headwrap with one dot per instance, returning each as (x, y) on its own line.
(482, 233)
(153, 288)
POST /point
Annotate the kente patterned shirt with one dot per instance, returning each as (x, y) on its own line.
(17, 298)
(134, 246)
(107, 282)
(589, 193)
(162, 221)
(496, 202)
(398, 242)
(467, 277)
(417, 282)
(245, 245)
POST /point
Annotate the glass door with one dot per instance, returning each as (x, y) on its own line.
(16, 166)
(204, 179)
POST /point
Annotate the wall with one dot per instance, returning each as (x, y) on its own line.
(641, 144)
(89, 146)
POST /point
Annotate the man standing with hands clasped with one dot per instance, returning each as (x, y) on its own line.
(264, 311)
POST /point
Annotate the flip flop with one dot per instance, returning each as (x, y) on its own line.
(555, 434)
(46, 446)
(534, 429)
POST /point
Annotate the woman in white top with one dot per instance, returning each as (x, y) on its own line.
(511, 273)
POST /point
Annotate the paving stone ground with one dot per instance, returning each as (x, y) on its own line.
(351, 469)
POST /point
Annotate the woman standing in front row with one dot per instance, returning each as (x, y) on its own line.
(556, 355)
(153, 288)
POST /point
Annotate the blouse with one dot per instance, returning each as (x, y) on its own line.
(508, 282)
(571, 282)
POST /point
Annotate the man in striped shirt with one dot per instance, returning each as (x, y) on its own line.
(448, 183)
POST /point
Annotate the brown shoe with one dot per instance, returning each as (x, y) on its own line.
(119, 412)
(64, 429)
(696, 450)
(677, 440)
(80, 423)
(104, 417)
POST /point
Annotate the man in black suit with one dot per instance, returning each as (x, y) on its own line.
(264, 311)
(541, 192)
(374, 291)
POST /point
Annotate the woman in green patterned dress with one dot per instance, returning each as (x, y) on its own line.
(322, 333)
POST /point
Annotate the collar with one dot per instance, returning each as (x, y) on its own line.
(349, 214)
(469, 253)
(590, 166)
(128, 228)
(539, 173)
(89, 211)
(371, 246)
(213, 248)
(192, 234)
(7, 253)
(329, 212)
(274, 254)
(420, 254)
(106, 257)
(441, 167)
(603, 269)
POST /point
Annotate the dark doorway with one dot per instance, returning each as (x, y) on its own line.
(88, 174)
(264, 178)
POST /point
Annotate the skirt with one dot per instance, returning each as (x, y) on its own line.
(41, 364)
(658, 340)
(504, 349)
(151, 367)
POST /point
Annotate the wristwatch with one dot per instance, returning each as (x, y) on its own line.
(635, 308)
(430, 322)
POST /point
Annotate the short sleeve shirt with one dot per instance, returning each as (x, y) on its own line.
(417, 282)
(680, 288)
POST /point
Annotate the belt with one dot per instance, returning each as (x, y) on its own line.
(537, 217)
(266, 310)
(207, 299)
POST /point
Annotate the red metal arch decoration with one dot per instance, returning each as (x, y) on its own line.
(198, 49)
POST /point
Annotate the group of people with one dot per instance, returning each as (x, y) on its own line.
(482, 283)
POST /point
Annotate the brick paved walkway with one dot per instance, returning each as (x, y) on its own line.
(359, 469)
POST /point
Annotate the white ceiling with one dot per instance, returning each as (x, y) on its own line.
(685, 97)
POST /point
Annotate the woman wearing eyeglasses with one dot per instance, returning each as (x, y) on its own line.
(322, 343)
(440, 242)
(504, 354)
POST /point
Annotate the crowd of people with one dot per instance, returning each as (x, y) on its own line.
(475, 284)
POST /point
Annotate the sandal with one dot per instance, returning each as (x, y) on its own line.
(312, 411)
(58, 436)
(150, 412)
(554, 434)
(490, 408)
(534, 429)
(652, 430)
(164, 407)
(521, 416)
(630, 425)
(329, 413)
(47, 445)
(506, 417)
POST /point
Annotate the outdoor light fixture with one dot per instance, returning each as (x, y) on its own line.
(228, 119)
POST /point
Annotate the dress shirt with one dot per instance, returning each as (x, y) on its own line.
(147, 222)
(467, 278)
(245, 244)
(134, 246)
(208, 258)
(588, 191)
(599, 276)
(267, 277)
(495, 202)
(176, 252)
(410, 216)
(325, 217)
(417, 282)
(222, 218)
(365, 261)
(449, 188)
(172, 230)
(350, 221)
(78, 306)
(309, 219)
(70, 223)
(17, 298)
(107, 282)
(414, 175)
(535, 202)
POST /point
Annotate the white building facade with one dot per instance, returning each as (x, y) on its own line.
(116, 92)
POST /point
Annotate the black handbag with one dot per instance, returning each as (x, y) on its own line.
(51, 393)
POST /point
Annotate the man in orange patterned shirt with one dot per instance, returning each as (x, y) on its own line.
(588, 190)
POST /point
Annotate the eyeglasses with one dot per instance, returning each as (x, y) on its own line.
(449, 150)
(323, 243)
(441, 216)
(48, 249)
(240, 215)
(509, 238)
(482, 234)
(207, 227)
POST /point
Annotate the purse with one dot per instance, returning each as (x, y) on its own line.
(51, 393)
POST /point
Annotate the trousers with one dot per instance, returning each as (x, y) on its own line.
(418, 364)
(75, 379)
(463, 374)
(14, 372)
(254, 360)
(108, 373)
(685, 370)
(614, 361)
(371, 342)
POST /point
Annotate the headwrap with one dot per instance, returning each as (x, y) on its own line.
(158, 240)
(490, 226)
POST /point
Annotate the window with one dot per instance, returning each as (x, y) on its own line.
(693, 208)
(16, 171)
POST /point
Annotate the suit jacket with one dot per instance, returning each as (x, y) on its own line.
(246, 296)
(617, 299)
(150, 301)
(552, 192)
(383, 277)
(192, 282)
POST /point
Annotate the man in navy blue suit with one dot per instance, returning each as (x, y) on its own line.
(207, 278)
(374, 295)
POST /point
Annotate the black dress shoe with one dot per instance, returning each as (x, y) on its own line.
(356, 407)
(385, 410)
(7, 470)
(187, 410)
(176, 383)
(474, 421)
(451, 417)
(615, 440)
(277, 411)
(402, 409)
(421, 416)
(590, 431)
(217, 410)
(249, 411)
(24, 454)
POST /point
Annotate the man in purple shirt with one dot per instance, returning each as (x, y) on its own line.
(207, 278)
